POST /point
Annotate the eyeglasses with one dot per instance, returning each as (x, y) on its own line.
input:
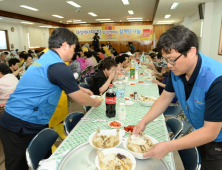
(172, 62)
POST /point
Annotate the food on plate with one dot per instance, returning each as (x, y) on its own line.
(140, 82)
(131, 95)
(127, 98)
(132, 84)
(129, 128)
(105, 141)
(113, 161)
(142, 144)
(146, 99)
(115, 124)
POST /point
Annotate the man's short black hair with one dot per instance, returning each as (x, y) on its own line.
(108, 63)
(13, 62)
(102, 45)
(125, 55)
(179, 38)
(120, 59)
(97, 50)
(4, 69)
(61, 35)
(88, 54)
(6, 52)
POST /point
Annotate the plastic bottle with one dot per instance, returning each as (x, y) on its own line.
(122, 112)
(110, 102)
(136, 72)
(132, 70)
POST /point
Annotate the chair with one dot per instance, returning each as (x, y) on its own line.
(174, 111)
(71, 120)
(88, 80)
(175, 126)
(40, 146)
(87, 108)
(88, 70)
(187, 127)
(84, 85)
(190, 159)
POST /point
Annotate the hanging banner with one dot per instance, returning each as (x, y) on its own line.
(115, 33)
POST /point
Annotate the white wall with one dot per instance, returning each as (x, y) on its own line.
(209, 42)
(19, 36)
(215, 30)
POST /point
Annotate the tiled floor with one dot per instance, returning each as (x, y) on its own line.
(75, 107)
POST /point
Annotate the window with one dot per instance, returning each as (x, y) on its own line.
(4, 44)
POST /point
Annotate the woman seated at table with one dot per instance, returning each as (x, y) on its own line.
(75, 65)
(106, 74)
(89, 61)
(156, 62)
(123, 63)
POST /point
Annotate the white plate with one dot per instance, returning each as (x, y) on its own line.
(116, 151)
(137, 155)
(129, 103)
(115, 127)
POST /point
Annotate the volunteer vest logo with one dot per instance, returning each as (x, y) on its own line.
(218, 149)
(198, 102)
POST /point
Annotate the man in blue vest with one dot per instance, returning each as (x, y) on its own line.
(197, 82)
(36, 96)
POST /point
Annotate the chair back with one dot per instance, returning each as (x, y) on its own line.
(40, 146)
(187, 127)
(87, 108)
(88, 80)
(71, 120)
(173, 111)
(84, 85)
(190, 158)
(176, 126)
(88, 69)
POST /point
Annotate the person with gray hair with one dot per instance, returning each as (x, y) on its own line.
(2, 57)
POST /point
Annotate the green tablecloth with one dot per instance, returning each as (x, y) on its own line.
(84, 129)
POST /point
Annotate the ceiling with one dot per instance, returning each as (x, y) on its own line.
(185, 9)
(105, 9)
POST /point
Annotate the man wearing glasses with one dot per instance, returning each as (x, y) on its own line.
(196, 80)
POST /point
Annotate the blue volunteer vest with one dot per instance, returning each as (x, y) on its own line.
(195, 105)
(35, 98)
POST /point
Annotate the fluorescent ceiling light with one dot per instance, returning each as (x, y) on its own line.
(27, 7)
(91, 13)
(106, 21)
(167, 16)
(79, 22)
(175, 5)
(69, 21)
(102, 19)
(73, 4)
(57, 16)
(131, 12)
(164, 23)
(134, 18)
(76, 20)
(44, 26)
(125, 2)
(26, 22)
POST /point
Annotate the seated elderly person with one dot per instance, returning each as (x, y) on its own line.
(2, 58)
(14, 69)
(89, 61)
(123, 63)
(106, 74)
(75, 65)
(8, 83)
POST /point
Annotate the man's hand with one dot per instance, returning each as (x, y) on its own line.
(97, 102)
(20, 69)
(159, 151)
(138, 128)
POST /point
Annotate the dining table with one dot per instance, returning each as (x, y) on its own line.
(134, 113)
